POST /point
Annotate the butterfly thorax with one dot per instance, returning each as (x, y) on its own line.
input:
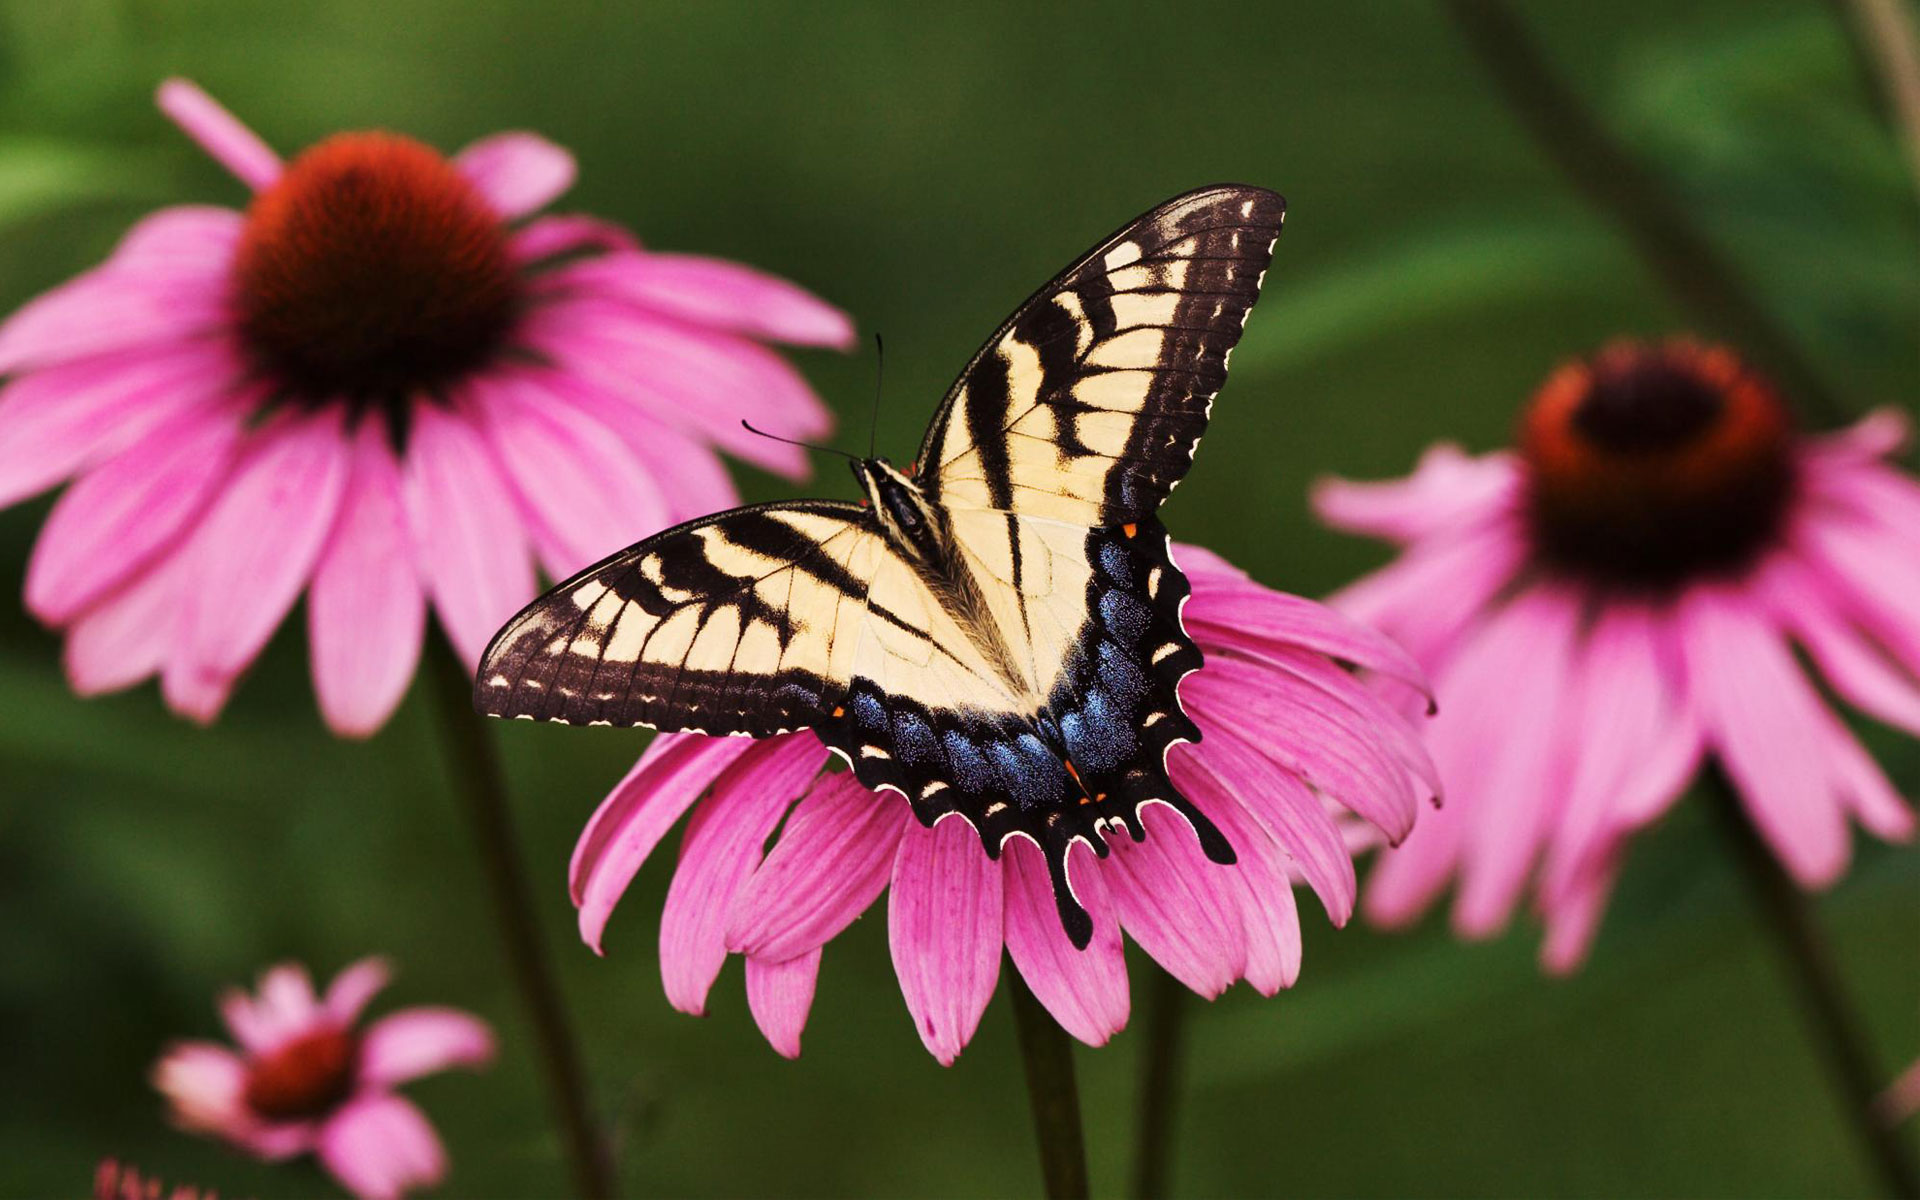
(921, 532)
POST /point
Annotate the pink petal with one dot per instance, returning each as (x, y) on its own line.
(187, 241)
(203, 1083)
(66, 418)
(687, 472)
(1882, 433)
(721, 848)
(712, 292)
(780, 994)
(703, 382)
(380, 1147)
(125, 512)
(471, 537)
(833, 859)
(1305, 730)
(422, 1041)
(1523, 679)
(1260, 618)
(219, 133)
(944, 926)
(676, 770)
(1270, 921)
(1182, 908)
(286, 1003)
(569, 233)
(1874, 577)
(1395, 733)
(353, 987)
(1429, 597)
(126, 637)
(1449, 488)
(1863, 786)
(106, 311)
(1574, 919)
(366, 612)
(1860, 671)
(253, 553)
(1765, 724)
(1085, 990)
(517, 172)
(1291, 812)
(256, 1032)
(589, 495)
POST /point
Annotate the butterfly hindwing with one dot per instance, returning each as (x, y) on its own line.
(1086, 406)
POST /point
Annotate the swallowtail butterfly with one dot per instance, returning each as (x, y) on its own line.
(995, 633)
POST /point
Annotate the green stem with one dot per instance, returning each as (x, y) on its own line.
(1047, 1052)
(481, 784)
(1888, 50)
(1833, 1023)
(1627, 193)
(1162, 1061)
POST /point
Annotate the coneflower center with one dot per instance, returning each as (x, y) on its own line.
(372, 271)
(307, 1077)
(1649, 465)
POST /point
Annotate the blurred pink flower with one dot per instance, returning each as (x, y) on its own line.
(115, 1180)
(306, 1080)
(1293, 741)
(381, 385)
(1621, 600)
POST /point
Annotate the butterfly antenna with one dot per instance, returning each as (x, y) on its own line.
(748, 426)
(879, 377)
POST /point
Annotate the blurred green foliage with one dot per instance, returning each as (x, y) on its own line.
(926, 167)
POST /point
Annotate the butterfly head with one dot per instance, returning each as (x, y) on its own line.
(896, 500)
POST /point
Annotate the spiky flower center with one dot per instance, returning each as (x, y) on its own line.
(372, 271)
(304, 1078)
(1650, 465)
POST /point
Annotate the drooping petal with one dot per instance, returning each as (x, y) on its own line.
(251, 555)
(1395, 733)
(380, 1147)
(353, 987)
(1270, 921)
(1291, 812)
(718, 855)
(1573, 919)
(714, 293)
(1430, 597)
(125, 512)
(125, 638)
(422, 1041)
(1874, 576)
(688, 474)
(675, 771)
(1764, 723)
(1859, 670)
(471, 537)
(219, 133)
(833, 859)
(366, 612)
(1181, 907)
(780, 994)
(517, 172)
(66, 418)
(587, 493)
(944, 924)
(1085, 990)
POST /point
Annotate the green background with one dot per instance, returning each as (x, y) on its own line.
(926, 167)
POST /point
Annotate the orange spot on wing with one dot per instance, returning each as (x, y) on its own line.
(1129, 529)
(838, 712)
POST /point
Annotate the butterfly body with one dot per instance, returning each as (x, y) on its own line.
(994, 635)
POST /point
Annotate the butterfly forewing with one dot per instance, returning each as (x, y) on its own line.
(1086, 406)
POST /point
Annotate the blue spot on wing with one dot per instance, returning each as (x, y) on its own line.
(1125, 616)
(914, 739)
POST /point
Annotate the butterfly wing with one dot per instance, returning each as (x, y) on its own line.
(1086, 406)
(744, 622)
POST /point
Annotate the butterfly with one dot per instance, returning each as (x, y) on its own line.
(994, 633)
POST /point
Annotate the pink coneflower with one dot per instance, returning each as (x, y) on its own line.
(383, 381)
(1288, 729)
(306, 1080)
(1621, 600)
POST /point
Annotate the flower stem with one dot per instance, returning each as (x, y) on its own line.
(1612, 181)
(1047, 1053)
(1888, 49)
(478, 778)
(1162, 1059)
(1833, 1024)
